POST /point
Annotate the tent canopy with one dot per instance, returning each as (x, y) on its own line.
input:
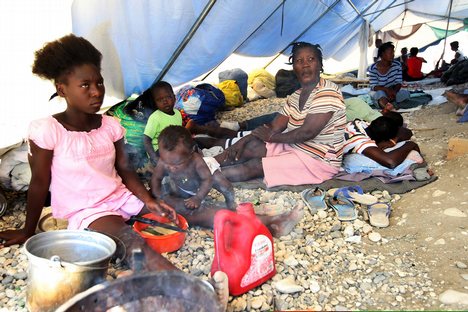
(180, 40)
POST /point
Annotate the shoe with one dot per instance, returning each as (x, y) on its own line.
(379, 214)
(314, 199)
(354, 193)
(344, 208)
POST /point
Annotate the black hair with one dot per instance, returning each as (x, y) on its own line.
(143, 106)
(384, 47)
(404, 49)
(172, 135)
(414, 51)
(454, 44)
(58, 58)
(382, 129)
(161, 85)
(296, 46)
(395, 116)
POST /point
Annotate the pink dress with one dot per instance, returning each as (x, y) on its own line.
(84, 182)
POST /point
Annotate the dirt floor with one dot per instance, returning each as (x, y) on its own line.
(419, 230)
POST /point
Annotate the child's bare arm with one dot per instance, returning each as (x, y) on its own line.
(147, 142)
(156, 179)
(206, 182)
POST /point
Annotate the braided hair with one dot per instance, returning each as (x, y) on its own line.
(296, 46)
(58, 58)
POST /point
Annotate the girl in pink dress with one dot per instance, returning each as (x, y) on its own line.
(79, 155)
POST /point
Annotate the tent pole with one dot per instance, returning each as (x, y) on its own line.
(446, 29)
(251, 34)
(186, 40)
(329, 8)
(391, 6)
(302, 33)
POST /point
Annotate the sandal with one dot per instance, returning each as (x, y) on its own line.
(344, 208)
(354, 193)
(379, 214)
(314, 199)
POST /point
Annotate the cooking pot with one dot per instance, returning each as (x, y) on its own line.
(63, 263)
(147, 292)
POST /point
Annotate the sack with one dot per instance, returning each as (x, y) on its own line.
(134, 128)
(231, 93)
(286, 83)
(262, 82)
(200, 103)
(239, 76)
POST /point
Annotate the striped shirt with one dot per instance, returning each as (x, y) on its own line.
(392, 77)
(328, 144)
(356, 137)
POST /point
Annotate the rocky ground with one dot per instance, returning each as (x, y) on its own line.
(418, 263)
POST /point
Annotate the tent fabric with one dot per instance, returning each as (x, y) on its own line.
(139, 37)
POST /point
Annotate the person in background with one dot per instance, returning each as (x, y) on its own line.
(414, 63)
(303, 145)
(459, 56)
(385, 78)
(403, 58)
(375, 53)
(164, 116)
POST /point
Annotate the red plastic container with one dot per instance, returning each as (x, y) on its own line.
(164, 243)
(243, 249)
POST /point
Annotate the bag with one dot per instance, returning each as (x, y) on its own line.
(239, 76)
(262, 82)
(231, 93)
(200, 103)
(286, 83)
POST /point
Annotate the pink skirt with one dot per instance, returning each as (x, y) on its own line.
(285, 165)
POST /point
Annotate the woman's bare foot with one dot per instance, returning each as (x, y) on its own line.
(283, 224)
(458, 99)
(221, 286)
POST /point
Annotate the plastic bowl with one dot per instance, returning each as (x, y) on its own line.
(163, 243)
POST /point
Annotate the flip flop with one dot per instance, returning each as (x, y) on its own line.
(314, 199)
(354, 193)
(379, 214)
(344, 208)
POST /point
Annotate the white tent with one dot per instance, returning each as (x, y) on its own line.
(181, 40)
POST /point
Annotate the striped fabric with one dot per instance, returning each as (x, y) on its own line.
(392, 77)
(356, 137)
(328, 144)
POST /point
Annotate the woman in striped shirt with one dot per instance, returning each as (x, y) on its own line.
(385, 78)
(304, 144)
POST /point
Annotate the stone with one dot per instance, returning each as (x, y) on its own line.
(455, 212)
(461, 265)
(451, 296)
(322, 214)
(314, 287)
(291, 261)
(438, 193)
(288, 286)
(440, 241)
(257, 302)
(374, 236)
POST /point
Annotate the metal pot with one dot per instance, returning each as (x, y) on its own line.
(148, 291)
(64, 263)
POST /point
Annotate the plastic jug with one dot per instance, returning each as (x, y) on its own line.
(243, 249)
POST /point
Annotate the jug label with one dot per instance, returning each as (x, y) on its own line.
(261, 260)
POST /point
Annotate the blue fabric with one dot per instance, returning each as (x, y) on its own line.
(464, 118)
(200, 103)
(355, 163)
(138, 38)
